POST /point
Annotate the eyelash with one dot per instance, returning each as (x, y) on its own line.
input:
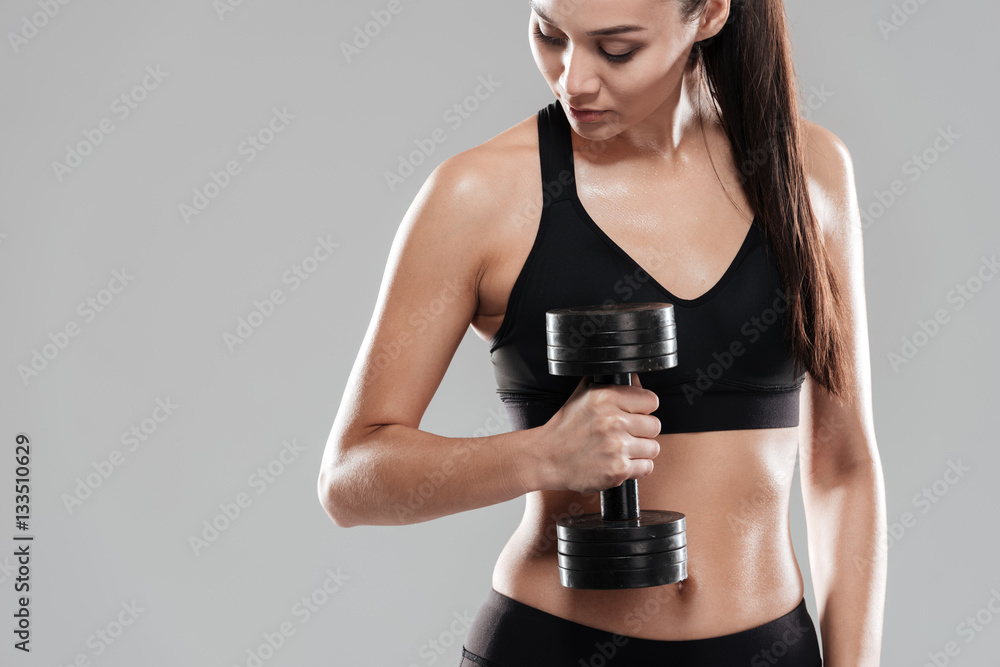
(610, 57)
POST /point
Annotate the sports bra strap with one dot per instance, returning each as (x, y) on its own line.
(556, 153)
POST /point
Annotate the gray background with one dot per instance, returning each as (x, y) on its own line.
(162, 336)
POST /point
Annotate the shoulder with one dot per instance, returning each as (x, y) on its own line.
(830, 177)
(481, 175)
(472, 194)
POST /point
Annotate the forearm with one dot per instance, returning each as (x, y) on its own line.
(846, 518)
(402, 475)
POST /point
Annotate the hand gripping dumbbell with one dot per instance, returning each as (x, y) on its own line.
(622, 546)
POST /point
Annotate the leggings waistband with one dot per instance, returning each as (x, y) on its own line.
(509, 633)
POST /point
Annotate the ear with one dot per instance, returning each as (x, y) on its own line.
(713, 18)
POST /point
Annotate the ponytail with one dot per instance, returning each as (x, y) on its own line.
(749, 72)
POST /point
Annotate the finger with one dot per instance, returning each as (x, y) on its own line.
(639, 468)
(643, 448)
(638, 400)
(645, 426)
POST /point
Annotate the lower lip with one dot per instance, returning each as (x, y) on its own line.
(586, 116)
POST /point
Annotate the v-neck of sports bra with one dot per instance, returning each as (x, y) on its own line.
(751, 237)
(748, 240)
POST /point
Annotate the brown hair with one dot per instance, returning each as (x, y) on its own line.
(749, 72)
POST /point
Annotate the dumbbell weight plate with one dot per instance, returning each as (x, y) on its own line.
(629, 548)
(644, 365)
(649, 525)
(634, 562)
(613, 352)
(616, 317)
(618, 579)
(589, 338)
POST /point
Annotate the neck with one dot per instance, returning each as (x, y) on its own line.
(662, 133)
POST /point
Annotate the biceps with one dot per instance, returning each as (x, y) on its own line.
(427, 299)
(416, 328)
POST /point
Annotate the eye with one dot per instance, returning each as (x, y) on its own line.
(557, 41)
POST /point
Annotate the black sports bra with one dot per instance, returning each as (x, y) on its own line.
(735, 369)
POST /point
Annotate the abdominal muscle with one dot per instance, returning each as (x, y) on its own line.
(733, 487)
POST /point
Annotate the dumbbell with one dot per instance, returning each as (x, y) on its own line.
(621, 546)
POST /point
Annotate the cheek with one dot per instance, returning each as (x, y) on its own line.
(541, 62)
(648, 81)
(548, 64)
(635, 84)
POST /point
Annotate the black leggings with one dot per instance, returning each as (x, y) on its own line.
(508, 633)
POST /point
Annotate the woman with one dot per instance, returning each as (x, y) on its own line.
(673, 155)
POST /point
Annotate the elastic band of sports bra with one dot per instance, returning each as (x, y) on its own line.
(678, 413)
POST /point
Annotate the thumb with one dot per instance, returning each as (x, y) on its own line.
(585, 381)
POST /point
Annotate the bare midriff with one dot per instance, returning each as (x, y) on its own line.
(733, 487)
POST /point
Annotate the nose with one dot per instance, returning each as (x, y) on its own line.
(578, 77)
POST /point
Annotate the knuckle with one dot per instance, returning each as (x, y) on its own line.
(614, 480)
(620, 470)
(595, 393)
(611, 424)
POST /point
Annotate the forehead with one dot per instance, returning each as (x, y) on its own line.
(588, 15)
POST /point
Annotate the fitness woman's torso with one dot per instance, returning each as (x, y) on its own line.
(733, 485)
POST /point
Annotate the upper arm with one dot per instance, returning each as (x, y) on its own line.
(426, 302)
(837, 435)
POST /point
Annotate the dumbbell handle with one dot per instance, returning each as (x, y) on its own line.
(620, 502)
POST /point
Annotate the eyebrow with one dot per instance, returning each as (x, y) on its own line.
(615, 30)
